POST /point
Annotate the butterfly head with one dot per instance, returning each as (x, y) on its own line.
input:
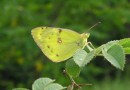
(85, 35)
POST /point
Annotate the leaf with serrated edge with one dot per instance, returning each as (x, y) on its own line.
(127, 50)
(20, 89)
(115, 55)
(89, 57)
(110, 44)
(81, 57)
(125, 43)
(45, 84)
(54, 86)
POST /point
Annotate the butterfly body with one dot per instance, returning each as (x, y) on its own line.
(58, 44)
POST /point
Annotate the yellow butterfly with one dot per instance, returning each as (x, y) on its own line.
(58, 44)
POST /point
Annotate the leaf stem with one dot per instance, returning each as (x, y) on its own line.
(73, 83)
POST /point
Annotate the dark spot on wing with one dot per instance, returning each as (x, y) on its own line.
(48, 46)
(51, 51)
(60, 30)
(78, 43)
(59, 40)
(44, 27)
(49, 37)
(57, 55)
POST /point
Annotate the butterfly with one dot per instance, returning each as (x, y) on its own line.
(59, 44)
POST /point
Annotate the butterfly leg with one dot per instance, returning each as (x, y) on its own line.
(89, 43)
(90, 46)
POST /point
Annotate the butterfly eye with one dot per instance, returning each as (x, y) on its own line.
(85, 35)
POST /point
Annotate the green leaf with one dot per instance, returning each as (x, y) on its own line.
(79, 57)
(125, 43)
(20, 89)
(72, 68)
(41, 82)
(114, 53)
(127, 50)
(110, 44)
(46, 84)
(82, 58)
(54, 86)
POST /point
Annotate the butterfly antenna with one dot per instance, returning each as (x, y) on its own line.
(93, 26)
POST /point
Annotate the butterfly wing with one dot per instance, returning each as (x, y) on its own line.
(56, 43)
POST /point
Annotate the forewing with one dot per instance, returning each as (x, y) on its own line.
(56, 43)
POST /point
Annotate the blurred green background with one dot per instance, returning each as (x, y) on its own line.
(22, 62)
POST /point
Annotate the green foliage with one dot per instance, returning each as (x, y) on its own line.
(20, 89)
(115, 55)
(21, 61)
(125, 44)
(111, 51)
(44, 84)
(72, 68)
(110, 84)
(81, 57)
